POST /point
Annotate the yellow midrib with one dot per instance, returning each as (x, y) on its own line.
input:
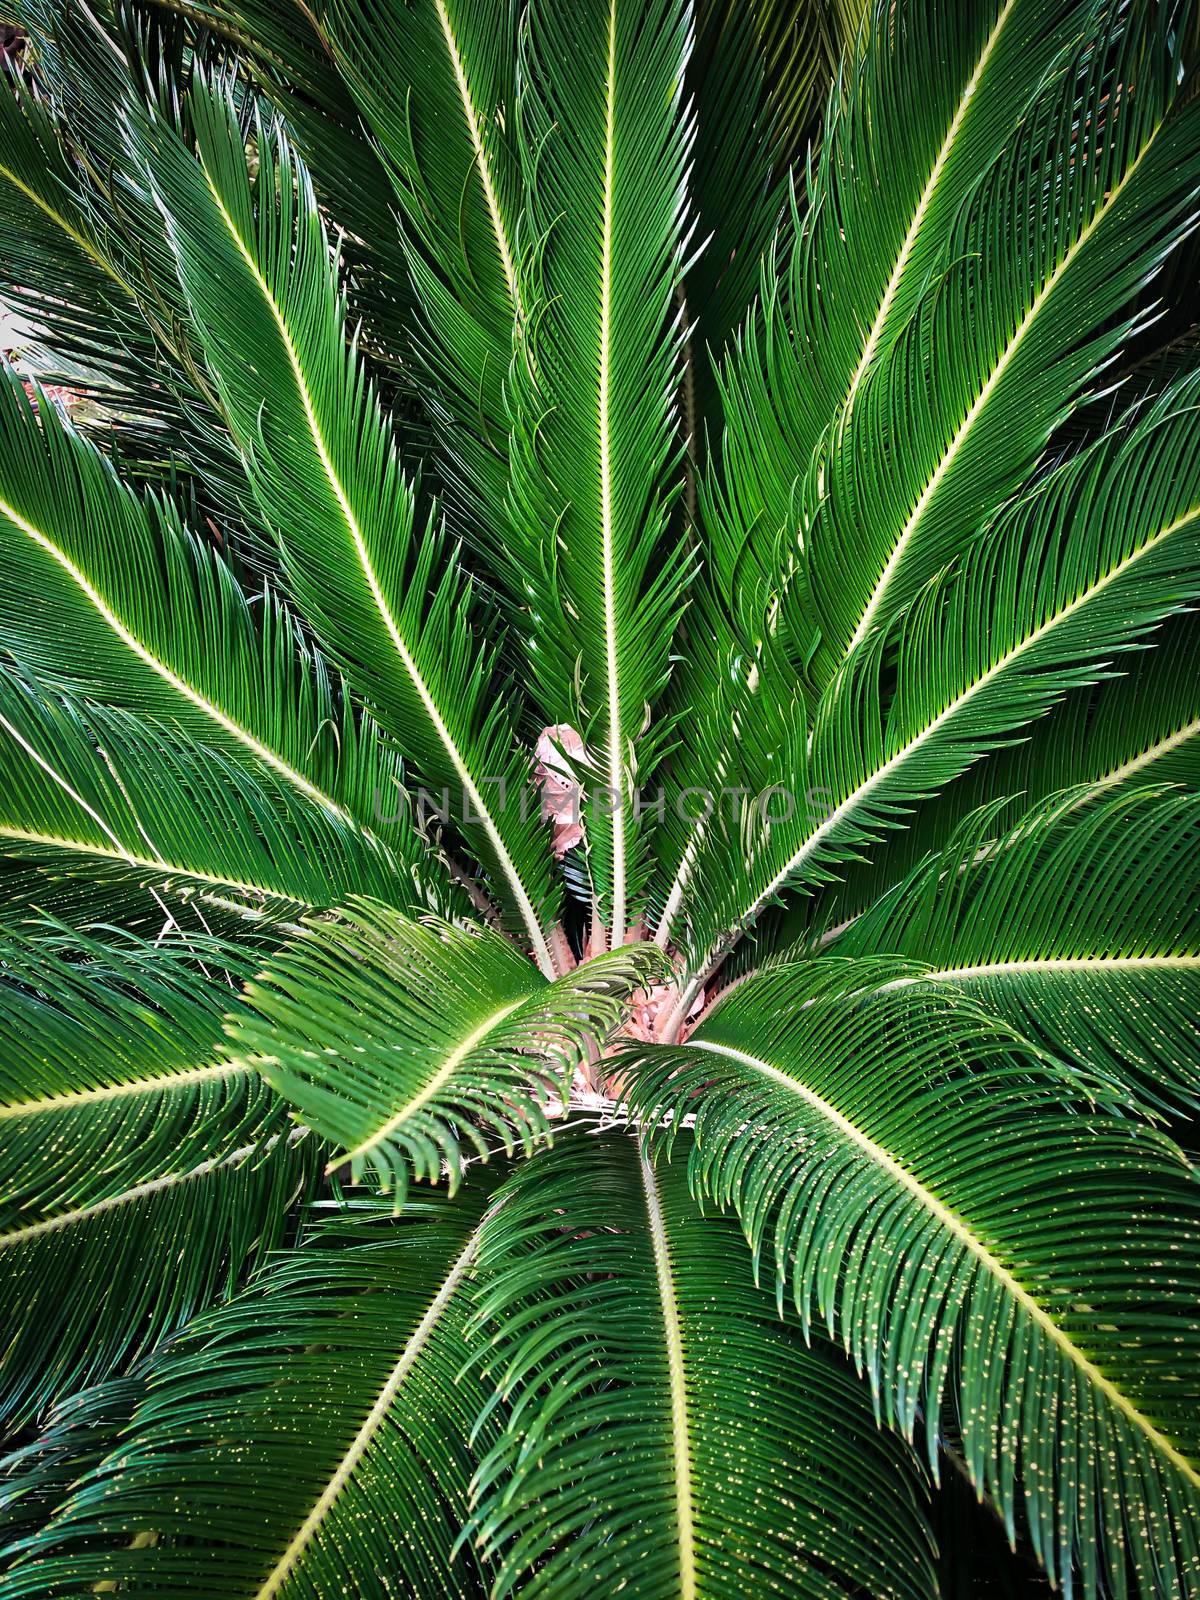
(677, 1370)
(114, 623)
(615, 741)
(955, 705)
(479, 808)
(374, 1419)
(981, 399)
(1155, 752)
(73, 233)
(71, 1098)
(997, 969)
(169, 869)
(922, 208)
(438, 1082)
(140, 1191)
(970, 1242)
(482, 163)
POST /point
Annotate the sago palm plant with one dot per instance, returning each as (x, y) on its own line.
(596, 612)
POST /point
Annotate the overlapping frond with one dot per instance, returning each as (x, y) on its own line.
(605, 141)
(103, 288)
(666, 1435)
(331, 1455)
(869, 632)
(141, 1175)
(859, 246)
(103, 592)
(112, 1072)
(290, 61)
(436, 83)
(1097, 554)
(65, 295)
(75, 1435)
(965, 1226)
(386, 595)
(104, 795)
(412, 1046)
(1138, 728)
(1077, 926)
(1044, 267)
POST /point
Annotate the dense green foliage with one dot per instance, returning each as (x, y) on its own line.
(599, 835)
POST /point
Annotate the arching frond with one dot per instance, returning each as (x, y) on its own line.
(287, 54)
(90, 266)
(964, 1226)
(333, 1454)
(860, 244)
(103, 794)
(76, 1434)
(436, 84)
(86, 1290)
(113, 1072)
(387, 598)
(1096, 555)
(1044, 266)
(668, 1436)
(105, 593)
(605, 142)
(59, 285)
(408, 1044)
(1136, 729)
(1080, 927)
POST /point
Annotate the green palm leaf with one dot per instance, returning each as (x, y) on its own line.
(605, 143)
(332, 1455)
(113, 1073)
(156, 1152)
(1080, 929)
(104, 592)
(847, 273)
(86, 257)
(388, 601)
(104, 794)
(57, 278)
(963, 1227)
(441, 1035)
(1045, 316)
(647, 1378)
(435, 81)
(1139, 728)
(76, 1435)
(1099, 552)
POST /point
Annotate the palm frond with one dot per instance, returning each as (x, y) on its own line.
(333, 1454)
(103, 289)
(406, 1044)
(962, 1224)
(388, 599)
(57, 279)
(83, 1289)
(289, 59)
(1045, 265)
(1080, 928)
(1096, 555)
(863, 236)
(1138, 728)
(103, 592)
(647, 1379)
(605, 143)
(75, 1435)
(435, 81)
(113, 1072)
(107, 795)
